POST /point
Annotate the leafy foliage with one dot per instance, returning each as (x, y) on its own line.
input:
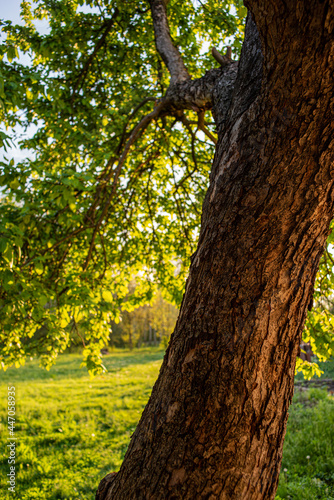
(75, 231)
(76, 225)
(320, 321)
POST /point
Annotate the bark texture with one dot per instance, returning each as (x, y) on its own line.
(214, 89)
(215, 423)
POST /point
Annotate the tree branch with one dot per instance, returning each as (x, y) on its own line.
(76, 329)
(201, 94)
(202, 127)
(182, 93)
(223, 60)
(168, 52)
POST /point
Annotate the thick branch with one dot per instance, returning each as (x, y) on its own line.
(212, 91)
(194, 94)
(197, 95)
(169, 53)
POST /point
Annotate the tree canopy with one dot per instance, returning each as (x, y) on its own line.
(110, 190)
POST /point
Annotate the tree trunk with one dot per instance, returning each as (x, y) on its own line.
(215, 423)
(150, 334)
(130, 333)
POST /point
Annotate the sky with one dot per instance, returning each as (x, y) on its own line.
(10, 10)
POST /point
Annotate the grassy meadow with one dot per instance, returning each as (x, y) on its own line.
(71, 430)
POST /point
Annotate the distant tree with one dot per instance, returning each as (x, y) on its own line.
(83, 216)
(163, 316)
(150, 324)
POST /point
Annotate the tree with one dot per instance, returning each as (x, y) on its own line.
(215, 422)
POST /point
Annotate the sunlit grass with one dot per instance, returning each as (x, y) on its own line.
(308, 455)
(72, 430)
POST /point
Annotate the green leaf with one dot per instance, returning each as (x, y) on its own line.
(39, 268)
(43, 299)
(3, 244)
(9, 255)
(14, 184)
(107, 296)
(11, 53)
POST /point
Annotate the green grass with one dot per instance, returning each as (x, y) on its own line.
(72, 430)
(308, 455)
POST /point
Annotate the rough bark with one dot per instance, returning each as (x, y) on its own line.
(214, 89)
(215, 423)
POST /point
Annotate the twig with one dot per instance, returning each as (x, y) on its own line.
(223, 60)
(201, 126)
(106, 174)
(193, 138)
(77, 332)
(73, 233)
(185, 230)
(104, 256)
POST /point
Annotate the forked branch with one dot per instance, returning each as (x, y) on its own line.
(203, 128)
(183, 93)
(223, 60)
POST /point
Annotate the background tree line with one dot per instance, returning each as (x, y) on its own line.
(148, 325)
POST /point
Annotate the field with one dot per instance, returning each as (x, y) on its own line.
(72, 430)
